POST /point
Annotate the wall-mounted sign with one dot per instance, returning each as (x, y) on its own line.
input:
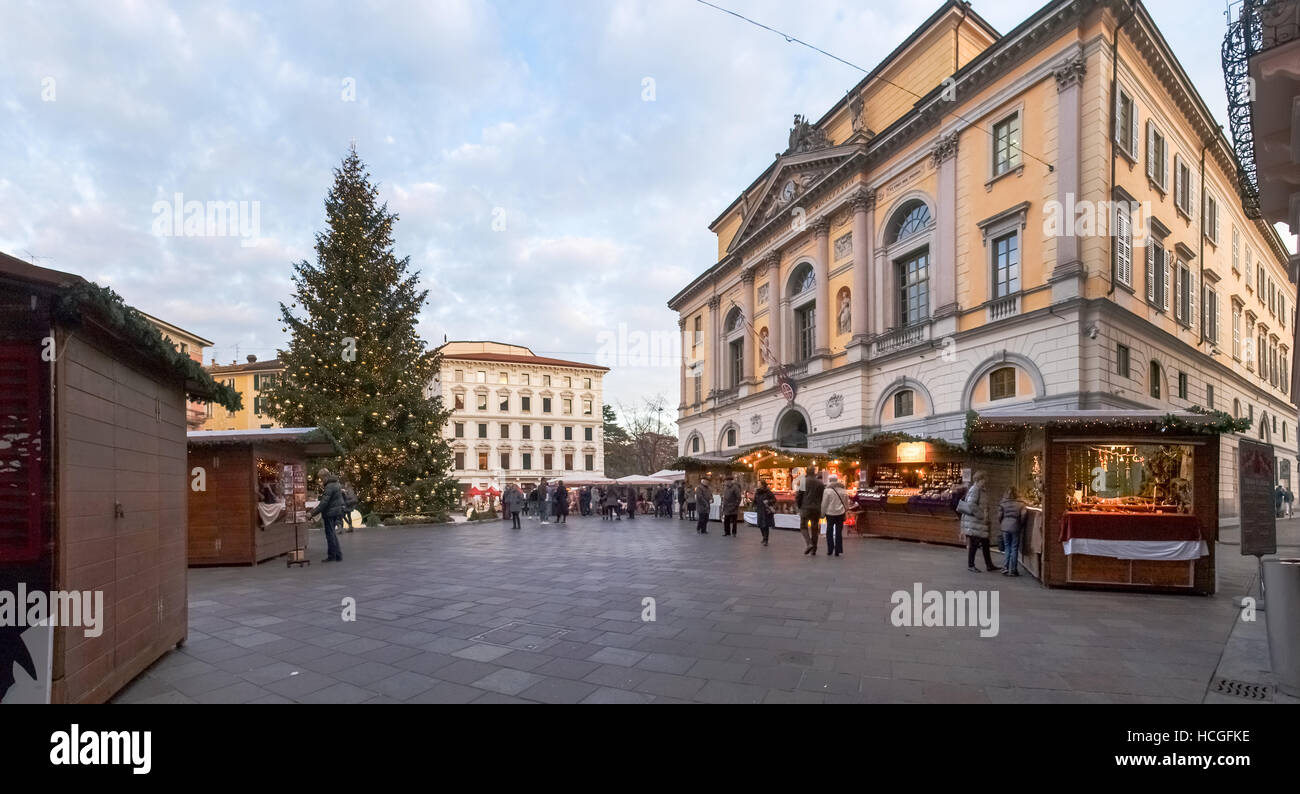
(1256, 481)
(913, 452)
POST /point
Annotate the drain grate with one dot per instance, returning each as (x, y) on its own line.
(1241, 689)
(523, 636)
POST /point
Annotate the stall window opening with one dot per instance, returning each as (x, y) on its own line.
(1002, 383)
(1130, 478)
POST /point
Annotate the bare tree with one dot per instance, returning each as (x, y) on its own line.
(651, 441)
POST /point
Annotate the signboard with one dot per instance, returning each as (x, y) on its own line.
(913, 452)
(1256, 481)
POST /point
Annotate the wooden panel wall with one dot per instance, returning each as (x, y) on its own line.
(223, 515)
(120, 451)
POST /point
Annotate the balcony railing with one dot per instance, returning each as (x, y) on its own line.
(725, 396)
(797, 369)
(1002, 308)
(1258, 26)
(900, 338)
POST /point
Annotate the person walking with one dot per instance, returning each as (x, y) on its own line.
(584, 501)
(513, 500)
(975, 522)
(810, 510)
(611, 503)
(731, 497)
(1012, 513)
(835, 506)
(349, 504)
(765, 506)
(561, 503)
(544, 502)
(681, 501)
(1288, 499)
(703, 497)
(330, 509)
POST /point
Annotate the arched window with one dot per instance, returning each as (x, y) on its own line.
(1002, 383)
(804, 309)
(734, 331)
(911, 218)
(1155, 380)
(734, 321)
(731, 436)
(802, 280)
(903, 403)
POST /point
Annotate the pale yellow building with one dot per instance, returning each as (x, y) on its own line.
(1043, 218)
(250, 379)
(189, 344)
(518, 417)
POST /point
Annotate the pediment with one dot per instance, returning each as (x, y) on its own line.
(792, 178)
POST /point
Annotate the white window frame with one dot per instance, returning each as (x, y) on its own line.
(1123, 244)
(1016, 160)
(1157, 171)
(1184, 188)
(1210, 213)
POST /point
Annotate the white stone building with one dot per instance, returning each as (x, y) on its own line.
(518, 417)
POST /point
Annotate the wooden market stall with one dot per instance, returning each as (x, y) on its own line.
(253, 506)
(93, 482)
(909, 488)
(1129, 500)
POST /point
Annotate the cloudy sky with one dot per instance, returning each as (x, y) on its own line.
(544, 199)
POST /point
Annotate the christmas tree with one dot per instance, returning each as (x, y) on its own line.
(355, 364)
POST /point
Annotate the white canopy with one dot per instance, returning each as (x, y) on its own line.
(641, 479)
(669, 474)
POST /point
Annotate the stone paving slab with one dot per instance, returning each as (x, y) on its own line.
(465, 613)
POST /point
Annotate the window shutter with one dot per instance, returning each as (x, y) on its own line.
(1121, 136)
(1164, 164)
(1178, 182)
(1169, 272)
(1123, 246)
(1133, 131)
(1179, 277)
(1216, 222)
(1215, 295)
(1192, 195)
(1191, 298)
(1151, 272)
(1151, 151)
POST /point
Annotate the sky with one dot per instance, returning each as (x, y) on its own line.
(555, 163)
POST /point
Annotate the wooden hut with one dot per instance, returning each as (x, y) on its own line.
(92, 483)
(253, 503)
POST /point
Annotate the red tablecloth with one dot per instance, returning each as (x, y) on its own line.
(1130, 526)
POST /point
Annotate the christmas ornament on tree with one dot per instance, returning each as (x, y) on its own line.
(355, 363)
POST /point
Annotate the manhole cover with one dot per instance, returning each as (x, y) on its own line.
(523, 636)
(1241, 689)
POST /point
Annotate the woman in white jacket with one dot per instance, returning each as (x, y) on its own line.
(835, 507)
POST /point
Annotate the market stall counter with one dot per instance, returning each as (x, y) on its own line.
(909, 490)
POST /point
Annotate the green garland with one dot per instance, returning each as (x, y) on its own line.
(142, 335)
(1223, 423)
(687, 463)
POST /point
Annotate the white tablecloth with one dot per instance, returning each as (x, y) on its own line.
(269, 512)
(781, 521)
(1139, 549)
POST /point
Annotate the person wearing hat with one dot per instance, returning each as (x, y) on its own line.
(330, 508)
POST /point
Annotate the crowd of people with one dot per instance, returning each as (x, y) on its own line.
(551, 502)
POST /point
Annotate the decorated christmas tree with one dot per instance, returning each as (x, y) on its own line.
(355, 364)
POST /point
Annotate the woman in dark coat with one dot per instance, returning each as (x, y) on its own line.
(561, 508)
(765, 505)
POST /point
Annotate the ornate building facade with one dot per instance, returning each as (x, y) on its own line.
(1040, 219)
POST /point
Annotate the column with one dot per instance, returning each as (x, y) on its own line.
(715, 329)
(825, 312)
(681, 330)
(1067, 277)
(747, 309)
(862, 202)
(943, 254)
(775, 309)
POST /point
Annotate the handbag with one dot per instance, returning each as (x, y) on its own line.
(964, 508)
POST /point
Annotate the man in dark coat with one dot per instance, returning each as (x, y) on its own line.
(765, 506)
(810, 511)
(731, 497)
(330, 508)
(703, 498)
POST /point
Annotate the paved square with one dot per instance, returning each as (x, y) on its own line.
(464, 613)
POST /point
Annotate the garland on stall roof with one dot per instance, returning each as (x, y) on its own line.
(687, 463)
(1223, 423)
(143, 335)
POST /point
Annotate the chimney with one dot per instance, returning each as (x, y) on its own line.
(252, 359)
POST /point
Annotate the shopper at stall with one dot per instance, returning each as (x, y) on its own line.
(810, 510)
(610, 503)
(731, 497)
(835, 506)
(330, 509)
(1011, 520)
(765, 507)
(513, 500)
(703, 498)
(975, 522)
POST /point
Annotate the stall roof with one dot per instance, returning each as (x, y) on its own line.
(315, 441)
(1001, 428)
